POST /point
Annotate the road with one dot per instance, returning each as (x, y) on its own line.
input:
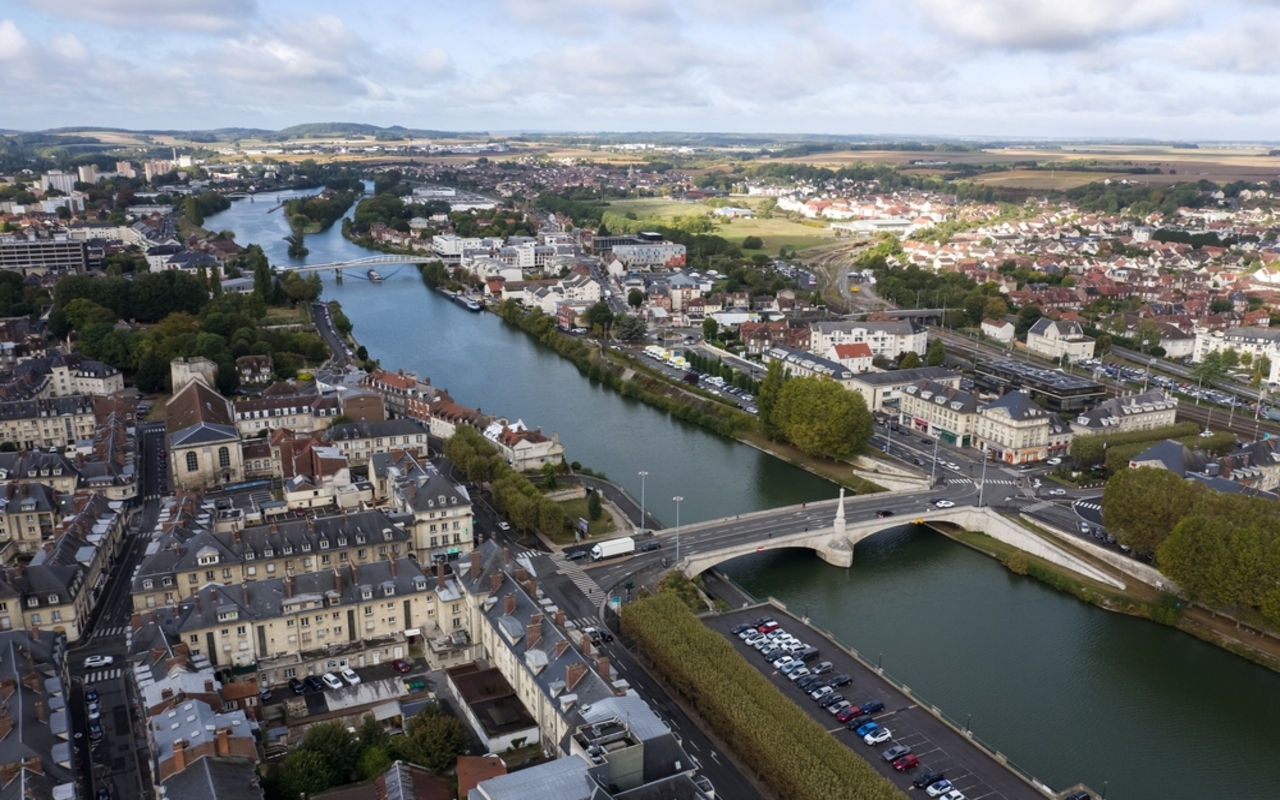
(119, 761)
(324, 324)
(939, 747)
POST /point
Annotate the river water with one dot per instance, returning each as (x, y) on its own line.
(1067, 691)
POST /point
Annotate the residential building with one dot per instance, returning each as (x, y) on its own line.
(524, 449)
(887, 339)
(1057, 339)
(37, 760)
(28, 512)
(857, 357)
(650, 255)
(939, 410)
(199, 741)
(48, 422)
(255, 369)
(443, 524)
(299, 412)
(358, 441)
(491, 708)
(402, 392)
(1000, 330)
(1257, 342)
(1134, 412)
(204, 442)
(401, 781)
(807, 365)
(60, 256)
(1015, 430)
(447, 415)
(883, 389)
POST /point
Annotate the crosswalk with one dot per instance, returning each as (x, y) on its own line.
(103, 675)
(580, 578)
(115, 630)
(990, 481)
(1089, 505)
(585, 622)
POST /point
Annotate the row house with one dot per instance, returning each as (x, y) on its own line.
(446, 416)
(1135, 412)
(28, 512)
(803, 364)
(49, 422)
(403, 393)
(306, 413)
(760, 336)
(939, 410)
(443, 524)
(65, 578)
(257, 369)
(1015, 430)
(293, 626)
(190, 553)
(37, 759)
(358, 441)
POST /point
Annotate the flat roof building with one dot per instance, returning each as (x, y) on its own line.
(1061, 392)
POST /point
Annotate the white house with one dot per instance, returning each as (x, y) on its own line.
(999, 330)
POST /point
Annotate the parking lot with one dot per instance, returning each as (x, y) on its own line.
(939, 747)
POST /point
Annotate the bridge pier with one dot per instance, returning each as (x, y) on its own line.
(838, 552)
(338, 274)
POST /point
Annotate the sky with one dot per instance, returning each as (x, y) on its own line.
(1161, 69)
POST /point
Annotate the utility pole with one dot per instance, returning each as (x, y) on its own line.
(933, 474)
(677, 498)
(643, 521)
(982, 487)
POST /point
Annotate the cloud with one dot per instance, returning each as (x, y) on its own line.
(434, 63)
(1048, 24)
(189, 15)
(1247, 47)
(13, 42)
(69, 47)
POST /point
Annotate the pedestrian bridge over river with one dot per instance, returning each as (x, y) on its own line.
(371, 261)
(834, 544)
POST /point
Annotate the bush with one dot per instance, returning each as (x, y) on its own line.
(794, 756)
(1092, 449)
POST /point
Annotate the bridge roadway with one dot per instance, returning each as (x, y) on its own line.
(780, 527)
(371, 261)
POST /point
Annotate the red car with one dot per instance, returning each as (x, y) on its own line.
(768, 627)
(400, 665)
(909, 761)
(848, 714)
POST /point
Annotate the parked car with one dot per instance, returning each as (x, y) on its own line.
(782, 661)
(400, 665)
(104, 793)
(839, 680)
(94, 662)
(739, 628)
(1082, 795)
(868, 728)
(896, 752)
(821, 692)
(95, 709)
(91, 695)
(649, 547)
(313, 683)
(1053, 462)
(768, 627)
(349, 675)
(857, 721)
(822, 668)
(504, 526)
(576, 555)
(938, 788)
(798, 673)
(872, 707)
(95, 730)
(297, 686)
(879, 736)
(836, 708)
(264, 693)
(954, 794)
(331, 681)
(848, 714)
(810, 682)
(830, 700)
(907, 762)
(927, 779)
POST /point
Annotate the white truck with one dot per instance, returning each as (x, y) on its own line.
(613, 547)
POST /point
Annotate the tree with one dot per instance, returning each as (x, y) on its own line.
(635, 298)
(753, 243)
(1147, 334)
(821, 417)
(433, 739)
(995, 308)
(304, 772)
(82, 312)
(153, 374)
(767, 398)
(936, 355)
(1142, 506)
(1211, 369)
(600, 315)
(630, 328)
(594, 509)
(336, 745)
(710, 328)
(1028, 315)
(910, 360)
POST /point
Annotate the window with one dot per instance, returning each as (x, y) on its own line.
(457, 623)
(226, 573)
(192, 463)
(208, 559)
(290, 672)
(33, 602)
(368, 611)
(147, 584)
(53, 599)
(194, 638)
(57, 616)
(167, 581)
(208, 575)
(224, 457)
(35, 619)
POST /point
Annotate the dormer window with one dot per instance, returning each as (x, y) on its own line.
(248, 555)
(32, 602)
(147, 584)
(306, 547)
(268, 553)
(366, 593)
(288, 549)
(388, 589)
(342, 541)
(420, 584)
(324, 544)
(53, 599)
(207, 559)
(360, 538)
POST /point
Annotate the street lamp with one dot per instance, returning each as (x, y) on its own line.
(677, 498)
(982, 487)
(643, 473)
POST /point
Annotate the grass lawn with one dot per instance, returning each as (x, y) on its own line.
(283, 315)
(777, 232)
(577, 509)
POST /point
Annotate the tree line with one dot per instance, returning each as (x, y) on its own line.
(817, 415)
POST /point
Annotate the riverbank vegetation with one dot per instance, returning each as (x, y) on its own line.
(513, 493)
(817, 415)
(791, 753)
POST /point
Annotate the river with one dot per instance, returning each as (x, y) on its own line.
(1068, 691)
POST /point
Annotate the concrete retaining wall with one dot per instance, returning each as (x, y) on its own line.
(1136, 569)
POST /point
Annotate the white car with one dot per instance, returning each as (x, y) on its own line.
(1053, 462)
(953, 465)
(796, 674)
(93, 662)
(954, 794)
(821, 692)
(782, 662)
(505, 526)
(331, 681)
(1057, 492)
(878, 736)
(945, 504)
(349, 675)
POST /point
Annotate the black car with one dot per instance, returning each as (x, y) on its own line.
(810, 682)
(858, 722)
(927, 779)
(871, 707)
(839, 680)
(739, 628)
(1080, 796)
(576, 555)
(95, 730)
(830, 700)
(313, 683)
(91, 695)
(104, 793)
(758, 621)
(297, 686)
(884, 512)
(649, 547)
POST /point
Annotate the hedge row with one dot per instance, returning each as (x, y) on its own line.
(1093, 448)
(1219, 444)
(793, 755)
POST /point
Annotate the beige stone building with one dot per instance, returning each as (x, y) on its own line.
(204, 443)
(939, 410)
(50, 422)
(1017, 431)
(1135, 412)
(1057, 338)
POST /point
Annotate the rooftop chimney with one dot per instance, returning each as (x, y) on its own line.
(531, 586)
(208, 685)
(572, 674)
(561, 646)
(337, 580)
(475, 564)
(179, 756)
(40, 711)
(440, 577)
(355, 576)
(602, 666)
(533, 633)
(224, 746)
(495, 582)
(506, 556)
(521, 574)
(509, 606)
(559, 618)
(244, 591)
(35, 633)
(288, 586)
(392, 561)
